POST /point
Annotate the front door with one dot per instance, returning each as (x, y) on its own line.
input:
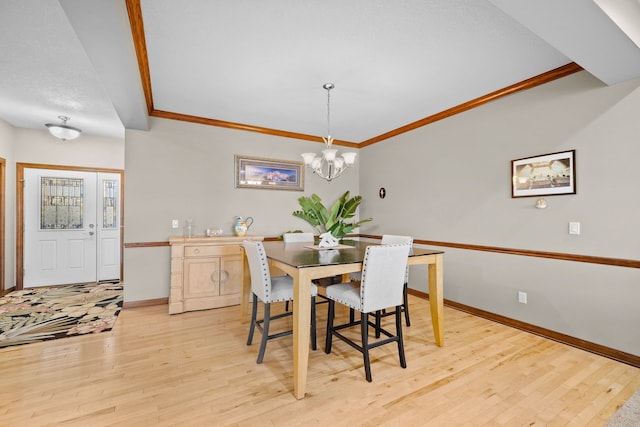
(71, 227)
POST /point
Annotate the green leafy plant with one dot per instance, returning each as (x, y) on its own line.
(333, 220)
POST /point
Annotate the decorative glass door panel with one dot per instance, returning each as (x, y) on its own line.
(110, 204)
(61, 203)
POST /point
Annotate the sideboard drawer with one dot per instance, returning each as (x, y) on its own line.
(200, 251)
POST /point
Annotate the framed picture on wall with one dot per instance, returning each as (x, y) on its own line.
(544, 175)
(272, 174)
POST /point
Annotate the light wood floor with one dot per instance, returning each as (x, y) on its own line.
(196, 369)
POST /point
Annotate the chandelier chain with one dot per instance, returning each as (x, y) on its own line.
(329, 111)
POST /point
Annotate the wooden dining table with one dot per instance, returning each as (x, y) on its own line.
(304, 263)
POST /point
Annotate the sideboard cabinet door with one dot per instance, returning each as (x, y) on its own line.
(231, 275)
(201, 277)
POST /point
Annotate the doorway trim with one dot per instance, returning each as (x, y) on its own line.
(20, 167)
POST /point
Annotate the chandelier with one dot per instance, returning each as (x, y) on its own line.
(328, 165)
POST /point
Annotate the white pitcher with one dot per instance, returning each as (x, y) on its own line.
(242, 225)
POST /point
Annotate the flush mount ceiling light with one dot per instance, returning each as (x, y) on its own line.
(63, 131)
(328, 165)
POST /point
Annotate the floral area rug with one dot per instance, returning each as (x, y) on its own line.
(40, 314)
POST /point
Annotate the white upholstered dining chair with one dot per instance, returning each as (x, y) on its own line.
(269, 290)
(298, 238)
(383, 273)
(388, 239)
(304, 238)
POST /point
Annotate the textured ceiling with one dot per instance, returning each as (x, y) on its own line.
(264, 63)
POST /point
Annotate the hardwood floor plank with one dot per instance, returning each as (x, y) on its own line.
(196, 369)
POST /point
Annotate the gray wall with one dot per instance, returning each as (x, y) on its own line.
(181, 170)
(32, 146)
(450, 181)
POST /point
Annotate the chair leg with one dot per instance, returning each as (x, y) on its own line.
(405, 296)
(403, 361)
(286, 306)
(265, 332)
(352, 315)
(378, 322)
(329, 338)
(364, 328)
(254, 311)
(314, 344)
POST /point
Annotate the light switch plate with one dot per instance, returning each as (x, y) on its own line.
(574, 228)
(522, 297)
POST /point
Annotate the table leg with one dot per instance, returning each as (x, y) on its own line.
(436, 299)
(301, 325)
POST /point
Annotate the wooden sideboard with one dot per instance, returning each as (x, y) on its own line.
(206, 272)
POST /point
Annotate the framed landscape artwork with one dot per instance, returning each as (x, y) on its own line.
(257, 172)
(545, 175)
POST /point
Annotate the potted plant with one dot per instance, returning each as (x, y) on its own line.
(334, 220)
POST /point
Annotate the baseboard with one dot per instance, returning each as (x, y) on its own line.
(146, 303)
(611, 353)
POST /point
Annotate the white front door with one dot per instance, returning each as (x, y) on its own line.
(71, 227)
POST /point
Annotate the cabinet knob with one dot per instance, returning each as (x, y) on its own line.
(196, 251)
(224, 276)
(215, 277)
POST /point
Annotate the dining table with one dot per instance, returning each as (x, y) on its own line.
(305, 262)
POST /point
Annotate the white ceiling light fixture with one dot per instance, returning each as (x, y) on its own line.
(62, 130)
(329, 166)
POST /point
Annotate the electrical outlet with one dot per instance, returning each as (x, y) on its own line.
(175, 223)
(522, 297)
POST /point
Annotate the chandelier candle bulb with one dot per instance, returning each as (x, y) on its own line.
(308, 157)
(330, 155)
(349, 158)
